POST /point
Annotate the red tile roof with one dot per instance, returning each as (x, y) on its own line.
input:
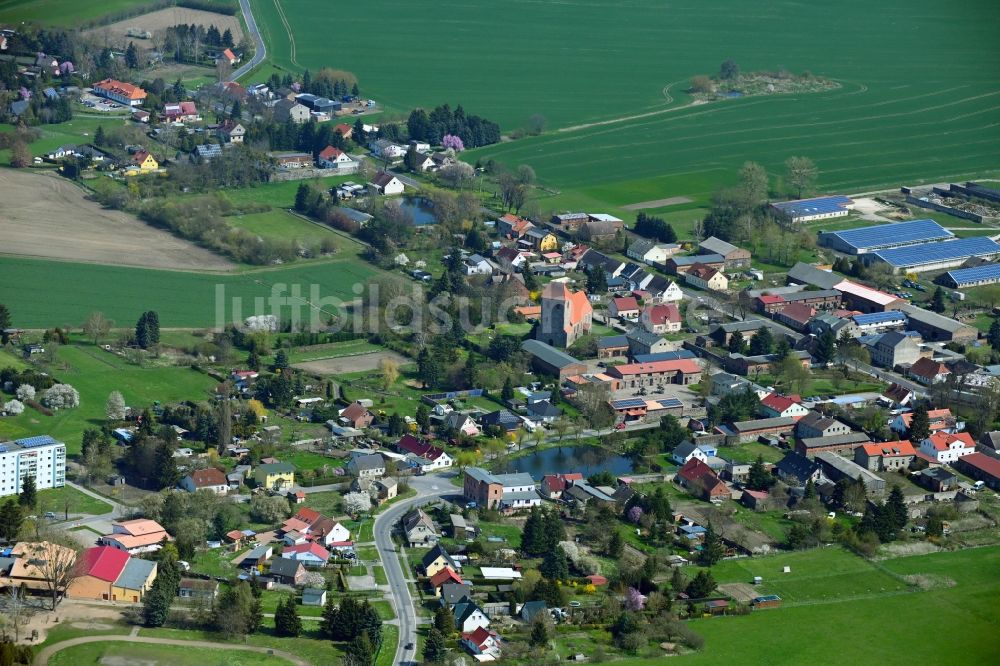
(685, 365)
(770, 299)
(626, 303)
(928, 369)
(694, 469)
(103, 562)
(343, 129)
(778, 402)
(203, 478)
(121, 89)
(308, 516)
(890, 449)
(661, 314)
(329, 153)
(941, 441)
(313, 548)
(446, 575)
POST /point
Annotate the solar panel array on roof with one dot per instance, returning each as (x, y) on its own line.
(893, 235)
(878, 317)
(3, 449)
(670, 403)
(817, 206)
(628, 403)
(931, 253)
(32, 442)
(973, 275)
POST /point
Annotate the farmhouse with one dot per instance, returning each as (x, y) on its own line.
(934, 327)
(634, 375)
(836, 468)
(776, 405)
(945, 447)
(333, 158)
(660, 319)
(747, 431)
(181, 112)
(286, 109)
(681, 265)
(885, 456)
(206, 479)
(706, 277)
(844, 445)
(231, 131)
(651, 252)
(865, 299)
(735, 257)
(293, 160)
(981, 467)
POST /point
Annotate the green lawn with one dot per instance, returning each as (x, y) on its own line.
(281, 225)
(134, 653)
(95, 373)
(328, 503)
(282, 194)
(214, 562)
(309, 646)
(58, 499)
(182, 299)
(748, 452)
(380, 578)
(331, 350)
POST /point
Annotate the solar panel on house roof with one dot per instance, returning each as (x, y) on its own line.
(929, 253)
(879, 317)
(815, 206)
(31, 442)
(977, 274)
(3, 449)
(628, 403)
(887, 235)
(670, 403)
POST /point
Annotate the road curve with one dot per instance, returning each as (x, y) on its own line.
(42, 658)
(260, 52)
(428, 488)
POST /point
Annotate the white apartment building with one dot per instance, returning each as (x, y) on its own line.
(41, 457)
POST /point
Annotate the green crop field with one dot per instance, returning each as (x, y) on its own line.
(95, 373)
(281, 225)
(63, 13)
(54, 293)
(918, 100)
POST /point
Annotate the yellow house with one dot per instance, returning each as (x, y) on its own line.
(275, 476)
(543, 241)
(145, 161)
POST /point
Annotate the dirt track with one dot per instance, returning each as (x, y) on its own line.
(167, 18)
(48, 217)
(347, 364)
(657, 203)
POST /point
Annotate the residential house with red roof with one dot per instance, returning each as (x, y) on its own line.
(768, 303)
(927, 371)
(513, 226)
(660, 319)
(427, 456)
(553, 485)
(344, 130)
(795, 315)
(443, 576)
(206, 479)
(775, 405)
(333, 158)
(699, 479)
(357, 415)
(310, 554)
(624, 307)
(706, 277)
(181, 112)
(885, 456)
(945, 447)
(940, 420)
(483, 644)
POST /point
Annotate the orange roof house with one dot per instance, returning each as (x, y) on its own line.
(445, 575)
(119, 91)
(136, 536)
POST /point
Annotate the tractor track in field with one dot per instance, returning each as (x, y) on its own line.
(668, 100)
(288, 29)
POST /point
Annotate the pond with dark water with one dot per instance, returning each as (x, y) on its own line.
(587, 460)
(420, 209)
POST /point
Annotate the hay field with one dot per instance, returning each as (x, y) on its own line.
(51, 218)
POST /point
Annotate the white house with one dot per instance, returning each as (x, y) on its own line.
(469, 617)
(333, 158)
(672, 293)
(660, 319)
(386, 184)
(947, 448)
(686, 450)
(651, 252)
(477, 265)
(206, 479)
(775, 405)
(309, 554)
(463, 423)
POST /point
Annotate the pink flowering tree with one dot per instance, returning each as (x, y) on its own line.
(635, 514)
(634, 600)
(453, 142)
(25, 93)
(66, 68)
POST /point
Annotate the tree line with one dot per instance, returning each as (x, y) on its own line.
(473, 130)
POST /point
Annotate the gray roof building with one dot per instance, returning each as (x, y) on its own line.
(135, 574)
(803, 273)
(836, 468)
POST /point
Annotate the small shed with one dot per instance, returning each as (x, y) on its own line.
(313, 597)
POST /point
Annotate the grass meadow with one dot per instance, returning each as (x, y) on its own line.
(61, 13)
(840, 609)
(95, 373)
(918, 100)
(126, 653)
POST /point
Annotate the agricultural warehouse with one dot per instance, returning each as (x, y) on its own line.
(971, 277)
(933, 327)
(549, 360)
(820, 208)
(935, 256)
(883, 236)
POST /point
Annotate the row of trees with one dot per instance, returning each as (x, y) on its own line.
(474, 131)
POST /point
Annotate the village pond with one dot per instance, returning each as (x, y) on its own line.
(420, 209)
(586, 459)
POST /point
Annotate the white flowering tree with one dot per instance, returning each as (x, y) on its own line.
(13, 408)
(357, 503)
(115, 408)
(61, 396)
(25, 392)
